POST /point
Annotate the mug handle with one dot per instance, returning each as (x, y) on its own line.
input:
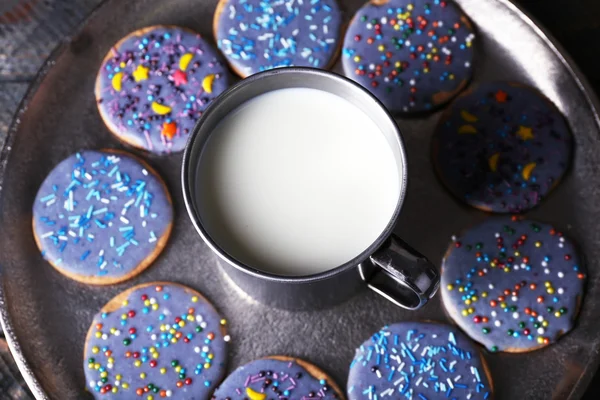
(401, 274)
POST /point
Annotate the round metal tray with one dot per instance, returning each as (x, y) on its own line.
(46, 315)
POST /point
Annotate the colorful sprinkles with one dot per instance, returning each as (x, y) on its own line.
(160, 341)
(502, 147)
(420, 361)
(155, 84)
(413, 55)
(513, 285)
(100, 215)
(270, 378)
(257, 35)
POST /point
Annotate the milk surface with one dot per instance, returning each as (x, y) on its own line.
(297, 181)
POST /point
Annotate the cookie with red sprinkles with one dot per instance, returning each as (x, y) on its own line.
(155, 83)
(156, 340)
(513, 285)
(414, 55)
(502, 147)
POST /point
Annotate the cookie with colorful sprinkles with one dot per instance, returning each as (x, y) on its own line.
(413, 55)
(155, 83)
(513, 285)
(258, 35)
(420, 361)
(278, 377)
(156, 340)
(102, 217)
(502, 147)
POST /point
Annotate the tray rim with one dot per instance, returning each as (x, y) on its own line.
(14, 346)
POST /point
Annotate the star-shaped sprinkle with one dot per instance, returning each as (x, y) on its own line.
(501, 96)
(179, 77)
(169, 129)
(140, 73)
(525, 133)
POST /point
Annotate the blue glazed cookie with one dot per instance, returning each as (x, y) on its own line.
(513, 285)
(156, 340)
(420, 361)
(259, 35)
(413, 55)
(102, 217)
(277, 377)
(155, 83)
(502, 147)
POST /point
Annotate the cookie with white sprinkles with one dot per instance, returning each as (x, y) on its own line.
(155, 83)
(413, 55)
(102, 217)
(419, 361)
(278, 377)
(156, 340)
(513, 285)
(258, 35)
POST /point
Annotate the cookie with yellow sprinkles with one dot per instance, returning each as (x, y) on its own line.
(502, 147)
(278, 377)
(156, 340)
(155, 83)
(513, 285)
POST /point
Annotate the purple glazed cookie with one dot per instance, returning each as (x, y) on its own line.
(102, 217)
(277, 377)
(502, 147)
(259, 35)
(513, 285)
(413, 55)
(156, 340)
(420, 361)
(155, 83)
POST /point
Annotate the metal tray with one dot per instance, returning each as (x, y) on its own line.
(46, 315)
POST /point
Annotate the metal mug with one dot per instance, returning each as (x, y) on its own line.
(388, 266)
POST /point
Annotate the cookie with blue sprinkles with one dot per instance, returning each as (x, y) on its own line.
(156, 340)
(512, 284)
(257, 35)
(155, 83)
(502, 147)
(278, 377)
(419, 361)
(102, 217)
(413, 55)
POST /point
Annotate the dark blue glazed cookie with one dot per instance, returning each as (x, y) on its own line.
(502, 147)
(277, 377)
(513, 285)
(258, 35)
(155, 83)
(413, 55)
(102, 217)
(156, 340)
(420, 361)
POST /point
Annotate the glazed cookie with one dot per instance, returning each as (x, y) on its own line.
(259, 35)
(513, 285)
(102, 217)
(277, 377)
(502, 147)
(413, 55)
(156, 340)
(155, 83)
(418, 360)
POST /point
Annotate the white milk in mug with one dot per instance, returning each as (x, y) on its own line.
(297, 181)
